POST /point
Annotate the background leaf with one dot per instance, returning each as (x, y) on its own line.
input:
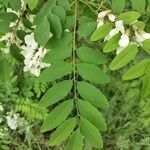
(118, 5)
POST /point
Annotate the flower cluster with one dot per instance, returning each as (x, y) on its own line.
(125, 38)
(12, 120)
(33, 56)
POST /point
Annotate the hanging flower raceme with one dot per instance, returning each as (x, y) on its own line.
(119, 28)
(123, 42)
(141, 36)
(33, 56)
(102, 15)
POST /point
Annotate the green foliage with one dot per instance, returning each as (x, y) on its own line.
(118, 5)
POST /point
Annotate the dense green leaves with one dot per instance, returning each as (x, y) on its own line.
(118, 5)
(42, 32)
(56, 93)
(57, 115)
(124, 57)
(139, 5)
(91, 94)
(32, 3)
(55, 72)
(89, 55)
(75, 142)
(92, 114)
(101, 32)
(129, 17)
(137, 70)
(92, 73)
(91, 133)
(62, 132)
(112, 44)
(65, 4)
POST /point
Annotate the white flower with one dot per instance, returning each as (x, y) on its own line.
(1, 107)
(12, 120)
(119, 28)
(101, 16)
(33, 56)
(123, 42)
(112, 17)
(141, 36)
(8, 38)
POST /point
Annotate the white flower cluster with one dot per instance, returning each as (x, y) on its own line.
(124, 41)
(12, 120)
(33, 56)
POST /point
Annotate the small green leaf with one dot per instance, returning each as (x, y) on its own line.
(57, 55)
(137, 70)
(92, 114)
(5, 70)
(56, 27)
(60, 12)
(65, 4)
(101, 32)
(146, 45)
(15, 51)
(89, 55)
(92, 73)
(112, 44)
(91, 94)
(57, 115)
(139, 5)
(86, 29)
(32, 3)
(75, 142)
(91, 133)
(129, 17)
(62, 132)
(55, 72)
(118, 5)
(146, 84)
(56, 93)
(124, 57)
(42, 32)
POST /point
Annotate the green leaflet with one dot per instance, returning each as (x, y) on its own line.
(15, 4)
(58, 55)
(60, 12)
(15, 51)
(86, 29)
(55, 72)
(146, 45)
(129, 17)
(56, 93)
(76, 141)
(112, 44)
(92, 73)
(91, 94)
(91, 113)
(57, 115)
(137, 70)
(42, 32)
(58, 43)
(89, 55)
(118, 5)
(139, 5)
(62, 132)
(32, 3)
(5, 70)
(101, 32)
(55, 23)
(91, 133)
(146, 83)
(65, 4)
(45, 10)
(124, 57)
